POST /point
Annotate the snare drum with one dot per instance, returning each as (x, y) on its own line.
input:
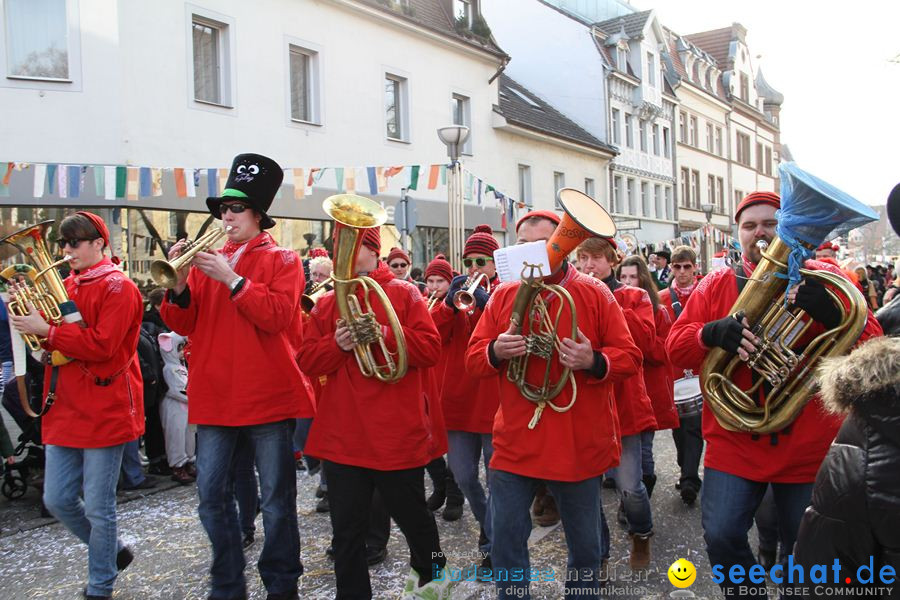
(688, 397)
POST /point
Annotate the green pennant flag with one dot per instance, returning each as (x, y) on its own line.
(99, 180)
(121, 180)
(339, 179)
(413, 177)
(443, 174)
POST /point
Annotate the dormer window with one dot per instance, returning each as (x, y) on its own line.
(621, 59)
(462, 10)
(651, 69)
(745, 88)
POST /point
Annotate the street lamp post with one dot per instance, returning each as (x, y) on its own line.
(708, 211)
(454, 136)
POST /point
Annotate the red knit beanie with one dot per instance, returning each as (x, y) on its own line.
(439, 267)
(544, 214)
(482, 241)
(372, 239)
(398, 253)
(754, 198)
(317, 252)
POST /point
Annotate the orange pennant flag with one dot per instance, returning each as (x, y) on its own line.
(299, 184)
(433, 176)
(180, 187)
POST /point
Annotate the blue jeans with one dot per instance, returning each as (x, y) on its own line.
(579, 510)
(95, 471)
(132, 473)
(464, 455)
(246, 490)
(629, 482)
(279, 562)
(648, 468)
(729, 503)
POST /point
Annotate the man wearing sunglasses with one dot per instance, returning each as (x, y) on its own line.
(688, 436)
(98, 397)
(399, 263)
(240, 308)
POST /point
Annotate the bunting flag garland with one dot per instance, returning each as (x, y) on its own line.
(192, 182)
(121, 181)
(350, 179)
(299, 183)
(211, 184)
(156, 182)
(131, 187)
(180, 184)
(40, 178)
(373, 180)
(5, 170)
(110, 183)
(433, 173)
(99, 180)
(145, 182)
(413, 178)
(339, 179)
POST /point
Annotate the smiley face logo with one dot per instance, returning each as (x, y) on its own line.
(682, 573)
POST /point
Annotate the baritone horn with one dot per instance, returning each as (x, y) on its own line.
(583, 218)
(165, 272)
(353, 215)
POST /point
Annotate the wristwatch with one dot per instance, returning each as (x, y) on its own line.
(232, 285)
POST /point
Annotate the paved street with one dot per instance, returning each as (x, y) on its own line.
(172, 551)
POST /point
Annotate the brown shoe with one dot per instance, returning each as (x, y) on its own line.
(640, 552)
(537, 507)
(550, 515)
(181, 476)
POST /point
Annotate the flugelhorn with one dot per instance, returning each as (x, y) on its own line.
(785, 360)
(308, 301)
(464, 299)
(583, 218)
(353, 215)
(165, 272)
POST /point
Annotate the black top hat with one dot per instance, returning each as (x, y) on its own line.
(254, 180)
(893, 208)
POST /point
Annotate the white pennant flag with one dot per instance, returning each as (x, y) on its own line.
(109, 183)
(40, 179)
(189, 186)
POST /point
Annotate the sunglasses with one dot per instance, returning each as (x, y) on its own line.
(682, 267)
(63, 242)
(235, 208)
(398, 265)
(480, 261)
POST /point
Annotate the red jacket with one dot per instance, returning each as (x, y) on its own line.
(470, 403)
(658, 373)
(242, 362)
(362, 421)
(88, 415)
(581, 442)
(633, 405)
(799, 450)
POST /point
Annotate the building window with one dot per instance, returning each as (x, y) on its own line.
(396, 111)
(720, 194)
(37, 39)
(695, 189)
(759, 156)
(651, 69)
(685, 187)
(211, 61)
(745, 88)
(658, 200)
(710, 139)
(655, 139)
(617, 194)
(719, 142)
(461, 108)
(622, 59)
(738, 196)
(632, 192)
(616, 127)
(643, 134)
(670, 205)
(682, 127)
(645, 198)
(462, 10)
(692, 132)
(629, 132)
(525, 184)
(589, 186)
(559, 182)
(304, 84)
(768, 161)
(667, 147)
(743, 149)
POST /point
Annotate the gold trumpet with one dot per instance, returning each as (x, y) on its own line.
(464, 299)
(353, 215)
(433, 299)
(165, 272)
(308, 301)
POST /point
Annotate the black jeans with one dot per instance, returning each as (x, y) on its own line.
(689, 444)
(350, 491)
(154, 438)
(442, 480)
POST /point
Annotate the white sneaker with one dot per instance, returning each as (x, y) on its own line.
(436, 589)
(412, 582)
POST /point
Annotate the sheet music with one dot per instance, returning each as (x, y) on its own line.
(510, 261)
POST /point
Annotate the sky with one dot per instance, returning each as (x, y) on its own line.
(832, 62)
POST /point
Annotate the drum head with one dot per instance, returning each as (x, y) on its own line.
(687, 387)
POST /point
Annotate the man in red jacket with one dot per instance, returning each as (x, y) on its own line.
(99, 403)
(633, 407)
(240, 309)
(739, 466)
(688, 436)
(469, 403)
(567, 448)
(373, 435)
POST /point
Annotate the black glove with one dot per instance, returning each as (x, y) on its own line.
(481, 297)
(725, 333)
(813, 298)
(457, 284)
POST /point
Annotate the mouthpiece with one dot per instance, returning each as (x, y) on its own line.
(228, 228)
(762, 244)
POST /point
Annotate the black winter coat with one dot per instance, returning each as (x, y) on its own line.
(855, 511)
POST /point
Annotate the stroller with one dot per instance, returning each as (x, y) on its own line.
(29, 451)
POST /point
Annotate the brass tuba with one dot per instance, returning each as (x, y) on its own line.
(165, 272)
(783, 365)
(583, 218)
(353, 215)
(38, 283)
